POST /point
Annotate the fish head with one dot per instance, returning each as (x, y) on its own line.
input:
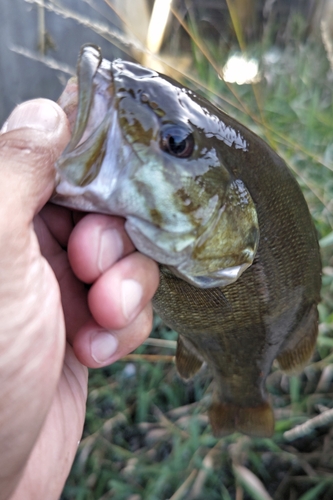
(144, 148)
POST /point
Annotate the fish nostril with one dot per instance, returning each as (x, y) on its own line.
(144, 98)
(118, 65)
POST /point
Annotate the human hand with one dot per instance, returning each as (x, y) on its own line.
(52, 326)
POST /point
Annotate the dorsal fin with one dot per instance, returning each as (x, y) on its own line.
(188, 362)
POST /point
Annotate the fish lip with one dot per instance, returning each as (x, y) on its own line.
(94, 102)
(95, 86)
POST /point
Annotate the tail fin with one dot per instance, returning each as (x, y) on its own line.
(255, 421)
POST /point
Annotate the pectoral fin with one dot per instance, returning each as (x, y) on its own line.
(187, 361)
(299, 348)
(228, 418)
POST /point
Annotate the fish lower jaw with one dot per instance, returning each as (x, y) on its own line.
(174, 250)
(220, 278)
(77, 197)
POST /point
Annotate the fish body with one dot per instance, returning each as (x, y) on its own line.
(218, 209)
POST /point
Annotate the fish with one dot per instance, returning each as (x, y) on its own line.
(217, 208)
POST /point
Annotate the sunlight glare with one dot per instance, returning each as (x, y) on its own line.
(241, 70)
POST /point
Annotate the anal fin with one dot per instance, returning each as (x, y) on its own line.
(187, 361)
(299, 348)
(254, 421)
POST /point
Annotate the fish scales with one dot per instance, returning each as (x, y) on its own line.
(241, 284)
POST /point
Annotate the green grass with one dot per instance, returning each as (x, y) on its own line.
(147, 435)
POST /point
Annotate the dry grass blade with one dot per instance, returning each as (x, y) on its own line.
(167, 344)
(152, 358)
(208, 465)
(102, 29)
(183, 489)
(209, 58)
(217, 67)
(134, 16)
(85, 448)
(234, 15)
(239, 493)
(325, 380)
(48, 61)
(320, 365)
(327, 41)
(235, 19)
(251, 483)
(111, 423)
(310, 185)
(41, 27)
(182, 411)
(168, 424)
(304, 429)
(287, 141)
(157, 25)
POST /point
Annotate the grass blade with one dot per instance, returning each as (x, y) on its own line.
(251, 483)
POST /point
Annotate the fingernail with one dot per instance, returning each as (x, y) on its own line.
(103, 346)
(40, 114)
(110, 249)
(131, 295)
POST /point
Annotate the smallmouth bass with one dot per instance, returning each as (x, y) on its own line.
(221, 213)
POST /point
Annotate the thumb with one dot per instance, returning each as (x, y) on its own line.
(31, 140)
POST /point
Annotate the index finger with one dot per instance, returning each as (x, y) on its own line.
(96, 243)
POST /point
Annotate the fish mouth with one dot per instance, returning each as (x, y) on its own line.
(92, 105)
(88, 101)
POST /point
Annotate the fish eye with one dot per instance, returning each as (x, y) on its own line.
(177, 141)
